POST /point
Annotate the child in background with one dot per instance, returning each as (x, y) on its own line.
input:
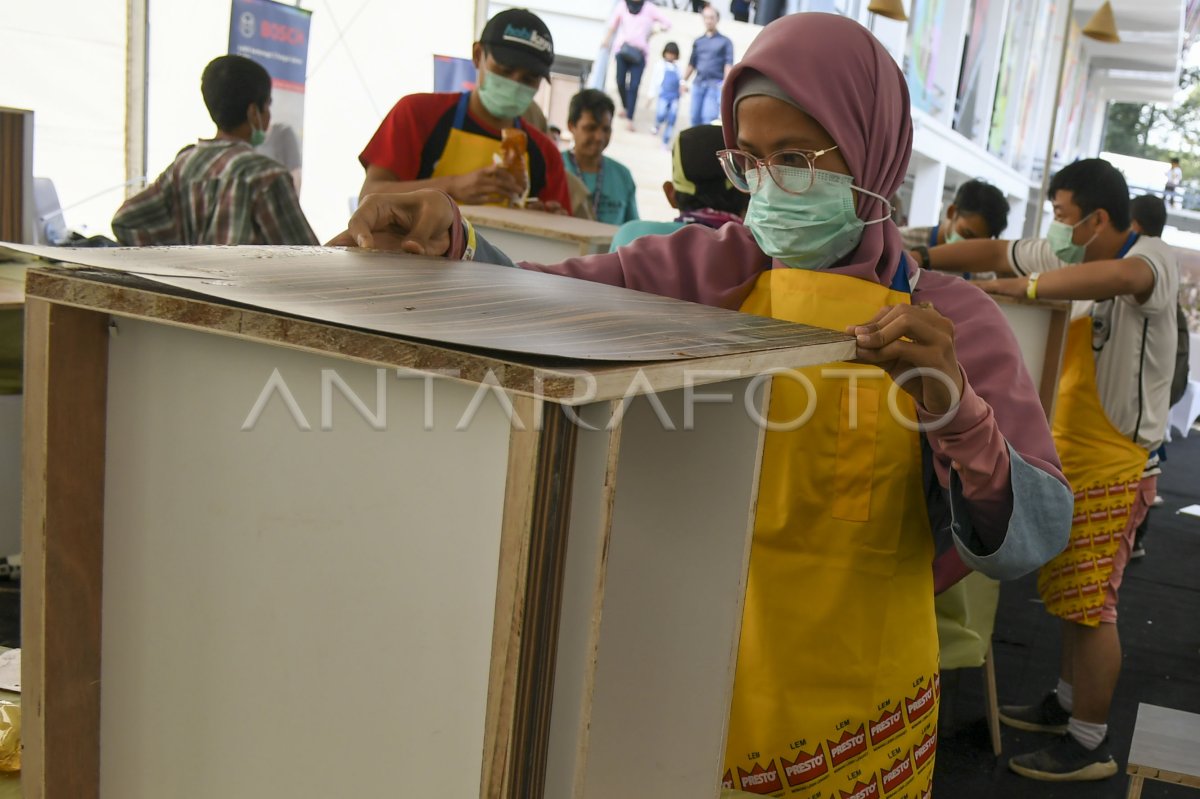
(667, 86)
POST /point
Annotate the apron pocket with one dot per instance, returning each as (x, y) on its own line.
(854, 470)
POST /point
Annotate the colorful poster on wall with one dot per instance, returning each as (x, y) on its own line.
(1016, 88)
(920, 67)
(969, 79)
(1029, 144)
(276, 36)
(1070, 109)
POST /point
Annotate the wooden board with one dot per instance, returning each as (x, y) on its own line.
(587, 232)
(1166, 745)
(279, 600)
(556, 380)
(63, 509)
(652, 608)
(16, 173)
(452, 302)
(1041, 330)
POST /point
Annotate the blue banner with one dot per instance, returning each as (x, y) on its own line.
(275, 35)
(452, 74)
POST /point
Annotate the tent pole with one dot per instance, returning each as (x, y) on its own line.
(137, 47)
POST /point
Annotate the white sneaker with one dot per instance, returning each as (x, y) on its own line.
(1157, 500)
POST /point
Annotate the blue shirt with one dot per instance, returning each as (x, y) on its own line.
(710, 54)
(641, 227)
(617, 203)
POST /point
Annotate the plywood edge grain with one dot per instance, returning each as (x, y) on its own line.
(567, 383)
(63, 531)
(33, 550)
(1056, 346)
(1163, 775)
(256, 325)
(511, 580)
(605, 525)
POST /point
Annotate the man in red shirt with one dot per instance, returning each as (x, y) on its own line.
(450, 141)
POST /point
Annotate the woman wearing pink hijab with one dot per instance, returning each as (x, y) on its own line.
(836, 687)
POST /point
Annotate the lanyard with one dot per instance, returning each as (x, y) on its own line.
(1133, 236)
(900, 281)
(599, 179)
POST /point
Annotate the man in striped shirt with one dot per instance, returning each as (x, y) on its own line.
(219, 190)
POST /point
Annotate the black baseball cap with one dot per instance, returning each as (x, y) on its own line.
(518, 38)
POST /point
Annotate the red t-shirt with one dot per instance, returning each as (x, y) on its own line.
(411, 138)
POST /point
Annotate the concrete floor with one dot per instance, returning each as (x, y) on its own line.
(1160, 603)
(1160, 638)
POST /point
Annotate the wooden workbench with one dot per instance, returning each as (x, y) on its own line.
(273, 550)
(538, 236)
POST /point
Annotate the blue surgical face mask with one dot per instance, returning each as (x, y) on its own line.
(1062, 240)
(503, 97)
(813, 230)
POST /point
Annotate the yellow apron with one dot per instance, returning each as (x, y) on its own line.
(837, 686)
(1103, 467)
(466, 152)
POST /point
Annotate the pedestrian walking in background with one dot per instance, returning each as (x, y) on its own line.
(711, 60)
(628, 38)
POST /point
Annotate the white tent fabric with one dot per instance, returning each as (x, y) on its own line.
(65, 59)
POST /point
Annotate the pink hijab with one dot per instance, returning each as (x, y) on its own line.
(838, 73)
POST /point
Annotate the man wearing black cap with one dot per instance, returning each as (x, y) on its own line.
(451, 141)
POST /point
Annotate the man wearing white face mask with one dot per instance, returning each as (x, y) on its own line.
(451, 141)
(978, 211)
(1112, 409)
(221, 190)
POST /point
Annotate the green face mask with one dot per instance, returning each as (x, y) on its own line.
(953, 236)
(1062, 240)
(503, 97)
(813, 230)
(257, 135)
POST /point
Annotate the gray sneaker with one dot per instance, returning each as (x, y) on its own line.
(1066, 761)
(1046, 716)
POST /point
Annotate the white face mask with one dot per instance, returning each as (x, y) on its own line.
(1062, 240)
(813, 230)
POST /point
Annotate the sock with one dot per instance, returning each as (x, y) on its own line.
(1089, 735)
(1065, 694)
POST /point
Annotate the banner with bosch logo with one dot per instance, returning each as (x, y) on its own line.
(276, 36)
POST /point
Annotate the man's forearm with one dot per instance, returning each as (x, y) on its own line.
(1099, 280)
(974, 255)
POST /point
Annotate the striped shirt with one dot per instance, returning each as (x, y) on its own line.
(218, 191)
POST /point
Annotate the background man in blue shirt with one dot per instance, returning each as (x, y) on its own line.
(712, 58)
(610, 183)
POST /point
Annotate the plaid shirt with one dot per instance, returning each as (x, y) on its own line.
(218, 191)
(914, 237)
